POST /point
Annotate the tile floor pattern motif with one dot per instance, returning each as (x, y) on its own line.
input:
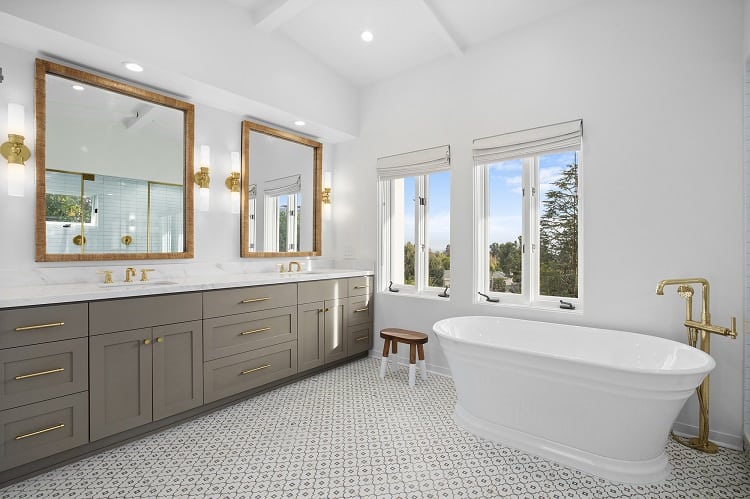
(326, 437)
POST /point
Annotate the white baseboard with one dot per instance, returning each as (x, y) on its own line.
(399, 361)
(721, 439)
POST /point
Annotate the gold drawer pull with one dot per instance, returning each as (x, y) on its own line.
(243, 333)
(362, 338)
(40, 326)
(51, 428)
(362, 309)
(360, 287)
(256, 369)
(253, 300)
(34, 375)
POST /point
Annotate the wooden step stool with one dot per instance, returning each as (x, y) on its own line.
(415, 340)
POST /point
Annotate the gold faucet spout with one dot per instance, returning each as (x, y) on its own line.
(705, 292)
(299, 267)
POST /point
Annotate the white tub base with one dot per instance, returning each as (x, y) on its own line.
(616, 470)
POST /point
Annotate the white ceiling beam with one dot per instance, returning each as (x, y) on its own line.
(440, 27)
(278, 13)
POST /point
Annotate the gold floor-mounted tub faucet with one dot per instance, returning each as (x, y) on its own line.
(705, 328)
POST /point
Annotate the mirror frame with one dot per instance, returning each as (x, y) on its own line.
(43, 68)
(247, 127)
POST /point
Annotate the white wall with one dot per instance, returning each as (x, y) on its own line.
(659, 88)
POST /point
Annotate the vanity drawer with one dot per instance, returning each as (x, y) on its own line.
(251, 299)
(109, 316)
(360, 285)
(235, 374)
(31, 325)
(359, 309)
(224, 336)
(359, 339)
(39, 430)
(40, 372)
(330, 289)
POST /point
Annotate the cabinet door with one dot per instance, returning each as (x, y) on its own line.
(335, 326)
(178, 368)
(310, 335)
(120, 381)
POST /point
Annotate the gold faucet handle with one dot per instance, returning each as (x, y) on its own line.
(281, 267)
(107, 275)
(144, 274)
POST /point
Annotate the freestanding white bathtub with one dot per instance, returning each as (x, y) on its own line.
(598, 400)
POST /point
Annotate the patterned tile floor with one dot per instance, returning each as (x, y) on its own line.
(324, 437)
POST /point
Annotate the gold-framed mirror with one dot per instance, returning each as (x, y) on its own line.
(280, 211)
(114, 169)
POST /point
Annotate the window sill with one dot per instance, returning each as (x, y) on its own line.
(536, 307)
(425, 295)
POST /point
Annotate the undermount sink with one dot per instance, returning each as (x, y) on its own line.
(136, 284)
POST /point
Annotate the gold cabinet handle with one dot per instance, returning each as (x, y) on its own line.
(362, 338)
(243, 333)
(326, 309)
(253, 300)
(255, 369)
(51, 428)
(147, 341)
(42, 373)
(362, 309)
(160, 340)
(40, 326)
(321, 310)
(360, 287)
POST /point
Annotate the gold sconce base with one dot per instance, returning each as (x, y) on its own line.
(15, 151)
(326, 196)
(233, 182)
(202, 178)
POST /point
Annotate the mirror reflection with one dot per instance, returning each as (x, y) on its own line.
(115, 163)
(281, 209)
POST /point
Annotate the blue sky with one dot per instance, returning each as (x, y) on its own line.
(505, 199)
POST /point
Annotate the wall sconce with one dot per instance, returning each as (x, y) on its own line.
(203, 179)
(15, 151)
(233, 183)
(326, 198)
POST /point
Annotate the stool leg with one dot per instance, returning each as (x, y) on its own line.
(412, 364)
(422, 365)
(384, 362)
(394, 347)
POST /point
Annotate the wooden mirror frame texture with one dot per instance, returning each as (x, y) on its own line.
(43, 68)
(247, 127)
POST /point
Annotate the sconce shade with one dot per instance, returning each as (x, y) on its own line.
(234, 199)
(203, 199)
(205, 156)
(235, 161)
(15, 119)
(16, 179)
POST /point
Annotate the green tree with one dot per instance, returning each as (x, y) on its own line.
(558, 236)
(409, 263)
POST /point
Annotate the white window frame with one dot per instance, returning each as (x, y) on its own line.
(530, 293)
(418, 165)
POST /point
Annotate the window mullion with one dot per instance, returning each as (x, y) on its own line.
(527, 221)
(420, 238)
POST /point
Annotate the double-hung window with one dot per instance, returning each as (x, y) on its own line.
(528, 217)
(414, 201)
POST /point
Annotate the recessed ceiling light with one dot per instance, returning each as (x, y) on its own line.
(78, 87)
(132, 66)
(367, 36)
(299, 123)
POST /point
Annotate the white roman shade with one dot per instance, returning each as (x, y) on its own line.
(283, 185)
(534, 141)
(435, 159)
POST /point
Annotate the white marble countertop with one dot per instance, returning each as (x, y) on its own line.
(50, 293)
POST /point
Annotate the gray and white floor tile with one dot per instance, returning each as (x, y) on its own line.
(346, 433)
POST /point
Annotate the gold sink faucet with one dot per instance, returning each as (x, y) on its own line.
(299, 267)
(705, 328)
(129, 274)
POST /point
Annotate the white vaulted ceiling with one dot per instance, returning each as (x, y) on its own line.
(408, 33)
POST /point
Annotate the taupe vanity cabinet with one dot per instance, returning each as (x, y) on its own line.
(250, 338)
(80, 377)
(44, 372)
(336, 327)
(146, 360)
